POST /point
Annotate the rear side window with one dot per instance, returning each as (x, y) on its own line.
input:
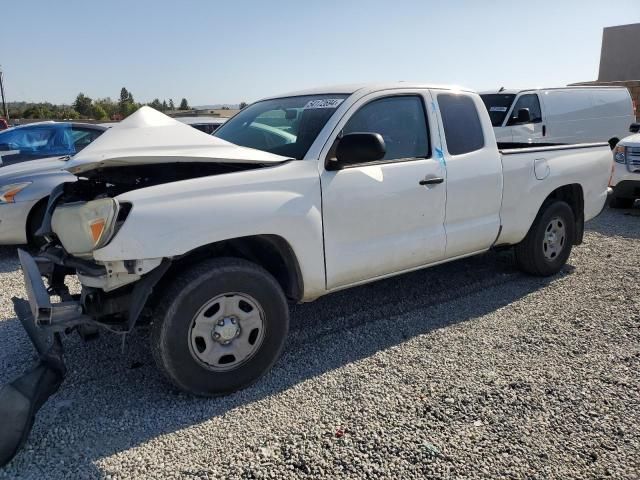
(462, 126)
(83, 137)
(400, 120)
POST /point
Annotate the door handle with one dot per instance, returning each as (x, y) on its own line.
(431, 181)
(544, 130)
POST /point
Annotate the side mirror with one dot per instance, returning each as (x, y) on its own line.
(359, 147)
(524, 116)
(634, 128)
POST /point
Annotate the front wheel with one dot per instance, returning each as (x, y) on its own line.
(220, 326)
(547, 246)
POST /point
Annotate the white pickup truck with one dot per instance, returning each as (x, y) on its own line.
(295, 197)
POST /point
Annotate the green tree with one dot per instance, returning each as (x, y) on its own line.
(130, 108)
(243, 105)
(110, 107)
(184, 105)
(99, 113)
(156, 104)
(82, 105)
(165, 107)
(124, 95)
(126, 99)
(37, 111)
(171, 104)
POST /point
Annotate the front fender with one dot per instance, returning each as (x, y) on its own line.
(172, 219)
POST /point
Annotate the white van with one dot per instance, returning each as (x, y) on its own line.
(560, 115)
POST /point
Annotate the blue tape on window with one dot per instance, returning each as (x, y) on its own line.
(439, 152)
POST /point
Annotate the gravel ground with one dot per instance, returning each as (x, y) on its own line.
(466, 370)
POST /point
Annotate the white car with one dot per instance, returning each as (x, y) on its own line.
(208, 237)
(560, 115)
(203, 123)
(625, 178)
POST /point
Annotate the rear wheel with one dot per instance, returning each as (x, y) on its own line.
(547, 246)
(617, 202)
(220, 327)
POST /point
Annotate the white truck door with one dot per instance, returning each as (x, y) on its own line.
(529, 127)
(382, 217)
(474, 174)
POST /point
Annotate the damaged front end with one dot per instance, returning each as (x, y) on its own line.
(113, 297)
(46, 321)
(145, 150)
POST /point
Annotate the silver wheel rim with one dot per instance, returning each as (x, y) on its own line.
(555, 237)
(227, 331)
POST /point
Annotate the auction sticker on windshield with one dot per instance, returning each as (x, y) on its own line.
(324, 103)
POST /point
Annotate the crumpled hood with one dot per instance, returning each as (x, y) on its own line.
(148, 136)
(31, 167)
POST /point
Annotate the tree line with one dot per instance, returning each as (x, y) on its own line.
(88, 108)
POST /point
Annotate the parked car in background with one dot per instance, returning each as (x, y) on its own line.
(24, 191)
(204, 124)
(3, 124)
(25, 183)
(25, 187)
(625, 179)
(45, 139)
(560, 115)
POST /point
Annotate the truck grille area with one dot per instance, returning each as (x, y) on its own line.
(633, 159)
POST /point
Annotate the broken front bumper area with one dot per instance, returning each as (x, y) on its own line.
(44, 322)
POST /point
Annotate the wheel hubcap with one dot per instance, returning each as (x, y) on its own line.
(554, 239)
(227, 331)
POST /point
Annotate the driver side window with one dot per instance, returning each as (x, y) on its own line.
(401, 121)
(531, 103)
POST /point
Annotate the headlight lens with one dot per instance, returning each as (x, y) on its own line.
(85, 226)
(8, 192)
(620, 154)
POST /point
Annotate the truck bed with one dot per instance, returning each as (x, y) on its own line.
(531, 171)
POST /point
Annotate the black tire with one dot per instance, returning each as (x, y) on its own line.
(617, 202)
(188, 293)
(33, 224)
(530, 253)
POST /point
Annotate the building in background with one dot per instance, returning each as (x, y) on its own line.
(620, 60)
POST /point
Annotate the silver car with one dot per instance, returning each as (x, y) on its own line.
(24, 192)
(25, 183)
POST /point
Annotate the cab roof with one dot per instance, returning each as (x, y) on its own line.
(364, 88)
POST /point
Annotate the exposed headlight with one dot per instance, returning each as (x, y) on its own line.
(84, 226)
(8, 192)
(620, 154)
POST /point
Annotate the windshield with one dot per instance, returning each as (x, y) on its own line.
(498, 105)
(284, 126)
